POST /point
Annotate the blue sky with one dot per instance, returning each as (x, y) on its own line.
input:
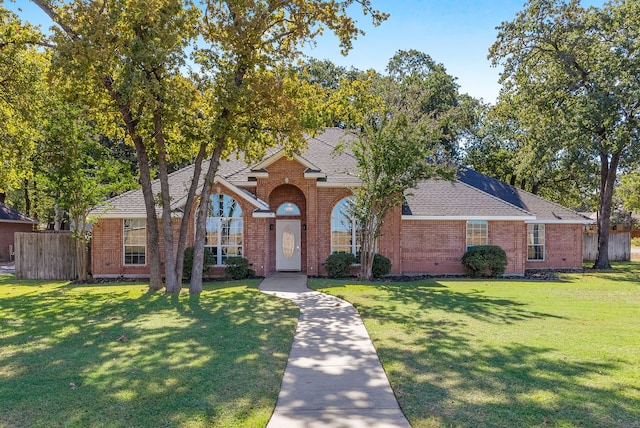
(456, 33)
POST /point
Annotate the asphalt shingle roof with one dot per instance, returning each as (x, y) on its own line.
(540, 207)
(443, 198)
(472, 195)
(11, 215)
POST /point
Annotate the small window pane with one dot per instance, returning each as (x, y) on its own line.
(135, 241)
(476, 233)
(288, 208)
(535, 242)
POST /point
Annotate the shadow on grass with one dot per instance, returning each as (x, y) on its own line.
(443, 375)
(430, 295)
(620, 271)
(116, 355)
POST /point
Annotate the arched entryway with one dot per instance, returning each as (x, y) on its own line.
(289, 246)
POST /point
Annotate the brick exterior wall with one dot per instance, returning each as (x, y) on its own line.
(432, 247)
(437, 246)
(7, 231)
(413, 246)
(563, 247)
(511, 237)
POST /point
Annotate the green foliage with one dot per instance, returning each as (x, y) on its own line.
(22, 84)
(485, 260)
(238, 268)
(187, 266)
(571, 93)
(406, 125)
(338, 265)
(629, 191)
(381, 266)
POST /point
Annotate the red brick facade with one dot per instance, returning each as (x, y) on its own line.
(414, 246)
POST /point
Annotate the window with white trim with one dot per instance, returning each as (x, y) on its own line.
(224, 228)
(477, 233)
(135, 241)
(535, 242)
(344, 229)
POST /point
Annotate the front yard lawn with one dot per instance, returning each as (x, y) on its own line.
(502, 353)
(114, 355)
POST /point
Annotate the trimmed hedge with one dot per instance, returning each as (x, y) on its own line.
(485, 260)
(238, 268)
(338, 265)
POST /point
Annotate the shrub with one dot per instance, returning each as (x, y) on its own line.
(485, 260)
(338, 265)
(238, 268)
(381, 266)
(187, 265)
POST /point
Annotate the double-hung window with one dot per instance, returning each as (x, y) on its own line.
(535, 242)
(344, 229)
(477, 233)
(135, 241)
(224, 228)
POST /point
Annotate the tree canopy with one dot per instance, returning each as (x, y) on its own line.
(233, 91)
(406, 125)
(572, 81)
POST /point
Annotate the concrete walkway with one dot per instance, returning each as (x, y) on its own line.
(333, 378)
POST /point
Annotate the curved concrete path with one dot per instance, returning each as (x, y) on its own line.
(333, 378)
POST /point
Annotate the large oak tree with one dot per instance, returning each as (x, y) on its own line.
(574, 72)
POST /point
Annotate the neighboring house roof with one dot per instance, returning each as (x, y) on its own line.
(545, 211)
(471, 196)
(11, 215)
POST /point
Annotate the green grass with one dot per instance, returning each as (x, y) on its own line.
(504, 353)
(115, 355)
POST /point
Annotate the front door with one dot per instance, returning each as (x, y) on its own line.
(288, 254)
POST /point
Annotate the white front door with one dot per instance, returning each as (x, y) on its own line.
(288, 253)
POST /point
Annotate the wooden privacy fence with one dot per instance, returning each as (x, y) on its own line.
(45, 255)
(619, 245)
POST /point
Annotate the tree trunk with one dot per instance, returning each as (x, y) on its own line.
(171, 278)
(57, 220)
(608, 171)
(201, 222)
(367, 248)
(153, 234)
(81, 258)
(187, 212)
(27, 201)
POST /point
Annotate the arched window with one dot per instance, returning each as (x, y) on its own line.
(224, 228)
(344, 229)
(288, 208)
